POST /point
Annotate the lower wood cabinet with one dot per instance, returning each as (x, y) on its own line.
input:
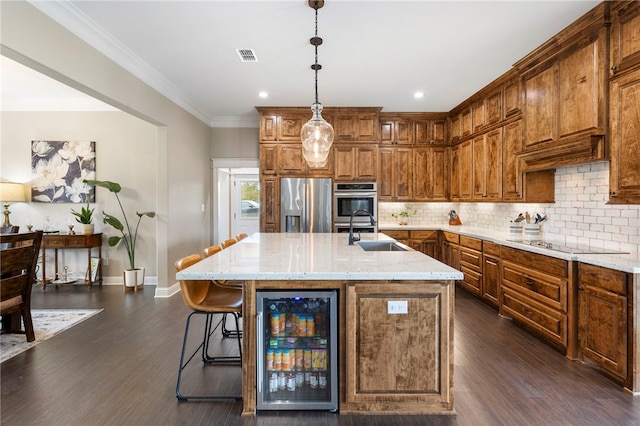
(491, 274)
(450, 249)
(425, 241)
(535, 291)
(603, 319)
(399, 361)
(471, 264)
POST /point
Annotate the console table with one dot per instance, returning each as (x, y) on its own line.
(66, 241)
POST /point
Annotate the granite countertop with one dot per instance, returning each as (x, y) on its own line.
(623, 262)
(301, 256)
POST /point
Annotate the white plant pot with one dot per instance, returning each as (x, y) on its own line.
(87, 228)
(133, 278)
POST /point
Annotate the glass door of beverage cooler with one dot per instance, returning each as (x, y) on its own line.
(297, 350)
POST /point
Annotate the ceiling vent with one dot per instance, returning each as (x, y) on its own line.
(247, 55)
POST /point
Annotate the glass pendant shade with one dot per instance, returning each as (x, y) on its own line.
(317, 137)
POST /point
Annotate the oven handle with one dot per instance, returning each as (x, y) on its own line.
(354, 194)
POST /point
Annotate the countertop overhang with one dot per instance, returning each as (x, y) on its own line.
(321, 256)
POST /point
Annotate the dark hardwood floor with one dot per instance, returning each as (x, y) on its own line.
(119, 368)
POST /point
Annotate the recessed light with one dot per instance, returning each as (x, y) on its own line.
(418, 95)
(263, 95)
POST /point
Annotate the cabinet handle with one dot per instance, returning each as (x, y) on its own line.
(528, 282)
(580, 288)
(527, 312)
(612, 192)
(614, 68)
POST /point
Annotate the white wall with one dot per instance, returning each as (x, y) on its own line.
(580, 214)
(126, 152)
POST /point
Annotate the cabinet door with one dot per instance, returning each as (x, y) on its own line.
(493, 108)
(385, 175)
(579, 82)
(422, 172)
(391, 355)
(268, 159)
(541, 107)
(439, 175)
(625, 37)
(367, 127)
(493, 165)
(403, 173)
(511, 170)
(289, 126)
(512, 99)
(467, 123)
(478, 116)
(291, 162)
(268, 127)
(456, 127)
(602, 331)
(345, 163)
(269, 204)
(491, 279)
(466, 170)
(624, 181)
(366, 163)
(395, 174)
(346, 127)
(479, 168)
(455, 173)
(396, 132)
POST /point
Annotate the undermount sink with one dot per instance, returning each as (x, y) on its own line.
(381, 246)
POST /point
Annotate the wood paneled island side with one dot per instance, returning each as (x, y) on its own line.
(388, 363)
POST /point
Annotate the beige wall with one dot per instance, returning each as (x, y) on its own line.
(126, 152)
(181, 166)
(235, 142)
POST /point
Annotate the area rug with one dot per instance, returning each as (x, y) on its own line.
(46, 323)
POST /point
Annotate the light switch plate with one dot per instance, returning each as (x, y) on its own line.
(397, 307)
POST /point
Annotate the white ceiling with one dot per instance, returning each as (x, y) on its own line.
(375, 53)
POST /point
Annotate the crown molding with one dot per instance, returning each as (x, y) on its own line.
(70, 17)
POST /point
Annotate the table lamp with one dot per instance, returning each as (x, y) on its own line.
(10, 192)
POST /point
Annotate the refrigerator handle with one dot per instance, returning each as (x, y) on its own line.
(306, 208)
(261, 353)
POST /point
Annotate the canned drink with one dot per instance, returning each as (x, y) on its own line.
(313, 380)
(273, 382)
(322, 380)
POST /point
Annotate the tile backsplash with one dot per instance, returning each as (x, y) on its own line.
(580, 214)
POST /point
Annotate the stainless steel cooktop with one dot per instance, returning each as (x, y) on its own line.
(568, 248)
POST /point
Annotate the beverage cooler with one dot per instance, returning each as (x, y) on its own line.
(297, 350)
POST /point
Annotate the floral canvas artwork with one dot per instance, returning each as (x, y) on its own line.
(58, 169)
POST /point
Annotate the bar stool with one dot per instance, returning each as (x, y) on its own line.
(226, 332)
(205, 297)
(241, 236)
(228, 243)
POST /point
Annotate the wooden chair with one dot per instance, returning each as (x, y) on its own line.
(241, 236)
(17, 270)
(8, 230)
(228, 243)
(205, 297)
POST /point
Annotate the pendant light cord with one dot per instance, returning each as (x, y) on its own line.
(316, 46)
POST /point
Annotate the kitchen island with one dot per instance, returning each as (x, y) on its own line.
(416, 376)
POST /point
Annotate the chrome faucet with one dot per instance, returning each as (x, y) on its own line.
(355, 213)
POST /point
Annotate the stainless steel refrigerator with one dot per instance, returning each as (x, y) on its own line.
(305, 205)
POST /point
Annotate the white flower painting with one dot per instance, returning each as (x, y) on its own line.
(58, 169)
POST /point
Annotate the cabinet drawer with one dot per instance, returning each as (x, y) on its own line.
(605, 278)
(471, 258)
(472, 279)
(424, 235)
(403, 235)
(54, 242)
(79, 241)
(489, 247)
(473, 243)
(540, 262)
(451, 237)
(550, 323)
(544, 288)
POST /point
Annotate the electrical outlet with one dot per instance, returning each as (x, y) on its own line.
(397, 307)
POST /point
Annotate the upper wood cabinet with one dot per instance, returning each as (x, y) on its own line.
(269, 204)
(487, 166)
(511, 165)
(355, 162)
(395, 173)
(512, 99)
(430, 174)
(355, 126)
(456, 127)
(396, 131)
(624, 179)
(564, 105)
(478, 115)
(466, 122)
(625, 37)
(433, 132)
(269, 159)
(454, 183)
(466, 170)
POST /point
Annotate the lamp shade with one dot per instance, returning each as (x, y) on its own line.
(11, 192)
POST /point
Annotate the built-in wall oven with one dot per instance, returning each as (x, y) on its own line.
(351, 196)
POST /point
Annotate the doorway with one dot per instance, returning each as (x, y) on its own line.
(234, 181)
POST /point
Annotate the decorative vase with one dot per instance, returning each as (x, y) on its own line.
(87, 228)
(133, 279)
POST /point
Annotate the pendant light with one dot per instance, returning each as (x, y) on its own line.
(317, 133)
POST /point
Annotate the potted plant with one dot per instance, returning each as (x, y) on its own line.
(134, 276)
(403, 215)
(84, 218)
